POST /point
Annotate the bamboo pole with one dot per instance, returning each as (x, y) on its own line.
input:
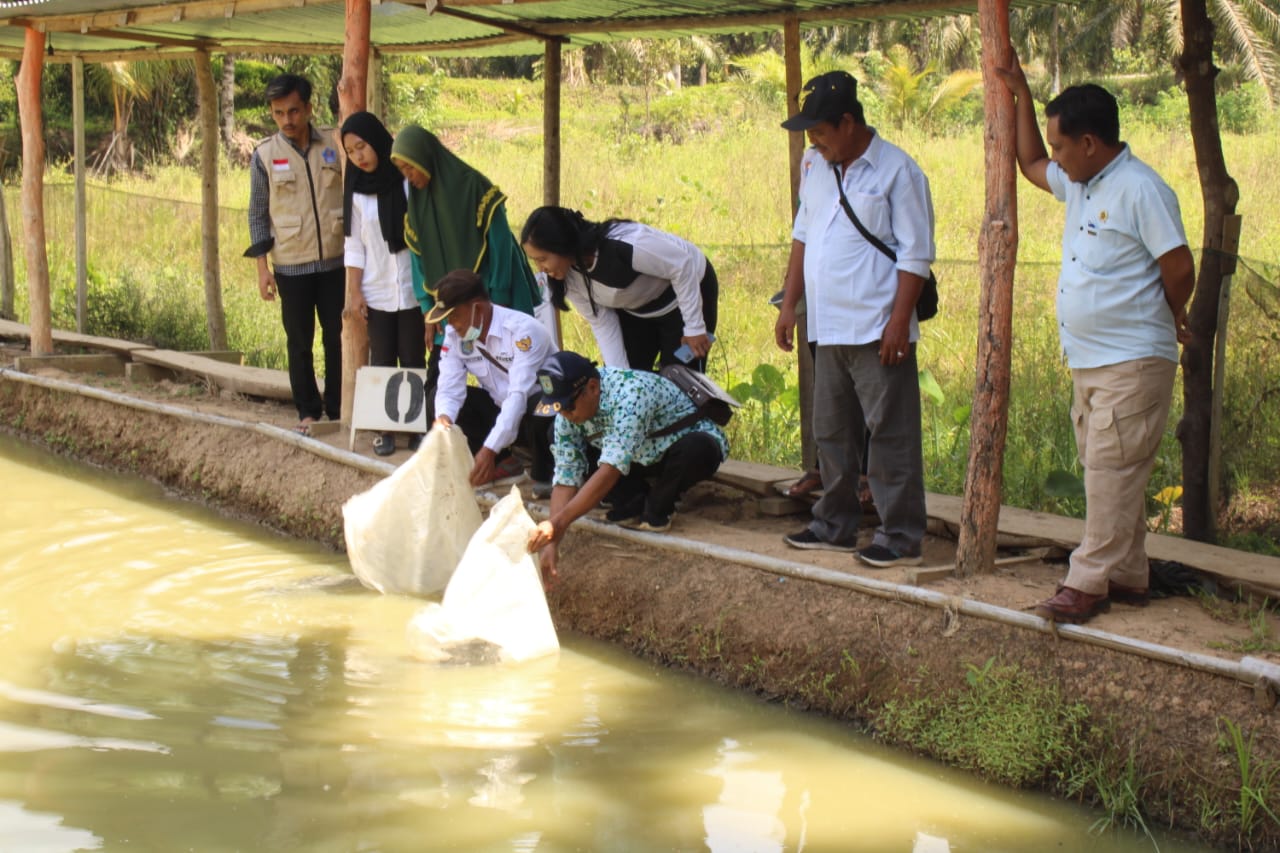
(81, 207)
(353, 88)
(997, 254)
(215, 319)
(31, 115)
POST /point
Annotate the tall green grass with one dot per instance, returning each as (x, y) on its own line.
(726, 188)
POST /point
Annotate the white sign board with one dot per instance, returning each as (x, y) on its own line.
(390, 399)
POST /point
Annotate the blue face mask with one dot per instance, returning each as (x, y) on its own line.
(472, 334)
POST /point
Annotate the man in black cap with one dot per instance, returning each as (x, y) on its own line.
(861, 312)
(503, 349)
(641, 431)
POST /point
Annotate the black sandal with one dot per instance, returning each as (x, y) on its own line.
(384, 444)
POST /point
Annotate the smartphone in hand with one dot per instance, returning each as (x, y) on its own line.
(685, 354)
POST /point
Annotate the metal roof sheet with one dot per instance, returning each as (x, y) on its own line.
(99, 29)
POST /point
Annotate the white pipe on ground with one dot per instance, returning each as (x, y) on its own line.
(1249, 670)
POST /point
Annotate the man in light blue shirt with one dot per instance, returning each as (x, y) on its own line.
(1127, 274)
(861, 312)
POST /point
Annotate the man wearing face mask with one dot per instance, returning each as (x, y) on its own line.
(503, 349)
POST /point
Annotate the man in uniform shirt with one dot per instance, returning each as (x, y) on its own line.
(1127, 274)
(640, 431)
(503, 349)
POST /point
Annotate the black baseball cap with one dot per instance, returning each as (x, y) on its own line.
(827, 98)
(562, 378)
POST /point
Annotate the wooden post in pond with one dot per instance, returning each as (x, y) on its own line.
(215, 319)
(997, 255)
(353, 88)
(31, 115)
(82, 237)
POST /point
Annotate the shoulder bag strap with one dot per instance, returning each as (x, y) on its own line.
(857, 223)
(484, 352)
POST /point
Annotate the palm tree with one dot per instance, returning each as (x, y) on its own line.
(910, 96)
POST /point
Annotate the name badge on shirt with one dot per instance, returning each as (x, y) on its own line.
(280, 165)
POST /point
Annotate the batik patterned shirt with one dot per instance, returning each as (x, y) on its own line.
(634, 404)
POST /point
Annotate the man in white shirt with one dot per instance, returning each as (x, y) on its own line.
(861, 313)
(1127, 274)
(503, 349)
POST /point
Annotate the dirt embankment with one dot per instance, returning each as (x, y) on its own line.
(1155, 726)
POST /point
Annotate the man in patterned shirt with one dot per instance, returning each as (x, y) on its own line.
(638, 428)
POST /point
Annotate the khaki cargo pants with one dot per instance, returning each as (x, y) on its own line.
(1119, 414)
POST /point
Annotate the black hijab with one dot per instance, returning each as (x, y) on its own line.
(385, 181)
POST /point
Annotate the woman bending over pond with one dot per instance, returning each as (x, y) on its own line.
(643, 291)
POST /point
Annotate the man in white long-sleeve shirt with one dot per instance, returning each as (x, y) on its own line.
(861, 312)
(503, 349)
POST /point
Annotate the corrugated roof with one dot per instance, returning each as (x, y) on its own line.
(101, 29)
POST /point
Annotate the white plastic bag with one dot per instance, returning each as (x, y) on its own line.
(408, 532)
(494, 608)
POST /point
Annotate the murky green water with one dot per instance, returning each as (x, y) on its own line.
(171, 680)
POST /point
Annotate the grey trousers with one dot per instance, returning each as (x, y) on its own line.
(852, 388)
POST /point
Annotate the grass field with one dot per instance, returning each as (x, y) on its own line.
(725, 187)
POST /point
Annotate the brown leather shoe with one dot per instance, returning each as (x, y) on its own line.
(1130, 595)
(1073, 606)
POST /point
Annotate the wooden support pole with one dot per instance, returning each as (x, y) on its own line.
(31, 115)
(1230, 247)
(353, 87)
(552, 71)
(6, 262)
(796, 143)
(207, 93)
(373, 86)
(1220, 195)
(81, 206)
(997, 254)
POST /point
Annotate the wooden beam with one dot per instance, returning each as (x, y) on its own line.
(81, 217)
(997, 255)
(207, 95)
(31, 116)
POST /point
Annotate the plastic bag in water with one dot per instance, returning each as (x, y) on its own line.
(494, 609)
(408, 532)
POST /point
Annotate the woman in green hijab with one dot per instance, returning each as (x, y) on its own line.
(457, 220)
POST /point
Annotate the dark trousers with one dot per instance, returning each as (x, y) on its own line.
(397, 336)
(649, 339)
(693, 458)
(478, 415)
(303, 298)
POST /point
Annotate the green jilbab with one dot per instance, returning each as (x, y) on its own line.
(459, 222)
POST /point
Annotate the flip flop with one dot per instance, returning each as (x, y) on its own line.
(304, 428)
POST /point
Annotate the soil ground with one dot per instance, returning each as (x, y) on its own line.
(747, 627)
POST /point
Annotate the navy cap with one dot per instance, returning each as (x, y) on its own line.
(829, 96)
(562, 378)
